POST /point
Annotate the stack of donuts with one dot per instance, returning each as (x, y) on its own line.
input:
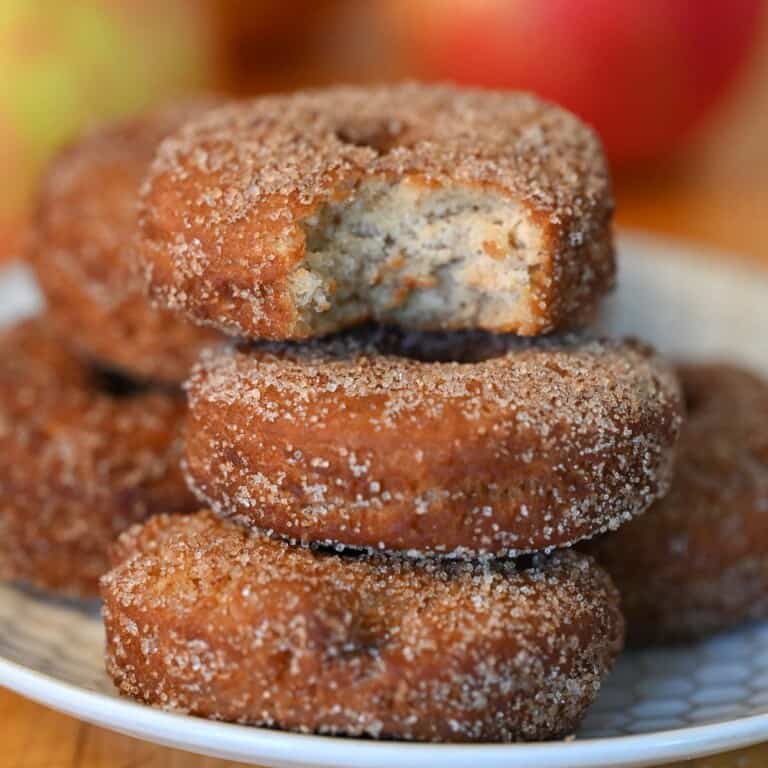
(416, 464)
(91, 410)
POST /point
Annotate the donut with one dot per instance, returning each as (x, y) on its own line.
(82, 250)
(86, 454)
(428, 207)
(205, 617)
(697, 561)
(348, 442)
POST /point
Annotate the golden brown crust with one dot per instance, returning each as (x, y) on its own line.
(341, 441)
(82, 248)
(697, 561)
(81, 463)
(228, 195)
(204, 617)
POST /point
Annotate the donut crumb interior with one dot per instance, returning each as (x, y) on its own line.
(424, 256)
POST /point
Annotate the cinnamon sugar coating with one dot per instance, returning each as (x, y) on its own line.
(697, 561)
(297, 215)
(85, 456)
(344, 441)
(82, 249)
(205, 617)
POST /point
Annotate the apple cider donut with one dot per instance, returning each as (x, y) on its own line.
(205, 617)
(429, 207)
(85, 455)
(697, 561)
(344, 441)
(83, 253)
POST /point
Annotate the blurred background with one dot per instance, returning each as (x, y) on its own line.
(677, 88)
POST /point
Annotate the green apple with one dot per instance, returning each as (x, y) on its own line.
(64, 65)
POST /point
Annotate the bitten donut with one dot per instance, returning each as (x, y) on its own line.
(85, 455)
(428, 207)
(205, 617)
(697, 561)
(82, 249)
(346, 441)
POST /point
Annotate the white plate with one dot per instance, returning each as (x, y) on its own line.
(657, 706)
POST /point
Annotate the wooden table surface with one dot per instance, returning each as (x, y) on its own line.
(715, 194)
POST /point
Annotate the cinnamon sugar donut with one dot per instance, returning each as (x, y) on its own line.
(697, 561)
(86, 454)
(82, 251)
(207, 618)
(344, 441)
(429, 207)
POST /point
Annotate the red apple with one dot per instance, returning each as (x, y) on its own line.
(643, 73)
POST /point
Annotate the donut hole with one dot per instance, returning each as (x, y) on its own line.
(420, 256)
(379, 135)
(463, 347)
(115, 384)
(460, 347)
(693, 398)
